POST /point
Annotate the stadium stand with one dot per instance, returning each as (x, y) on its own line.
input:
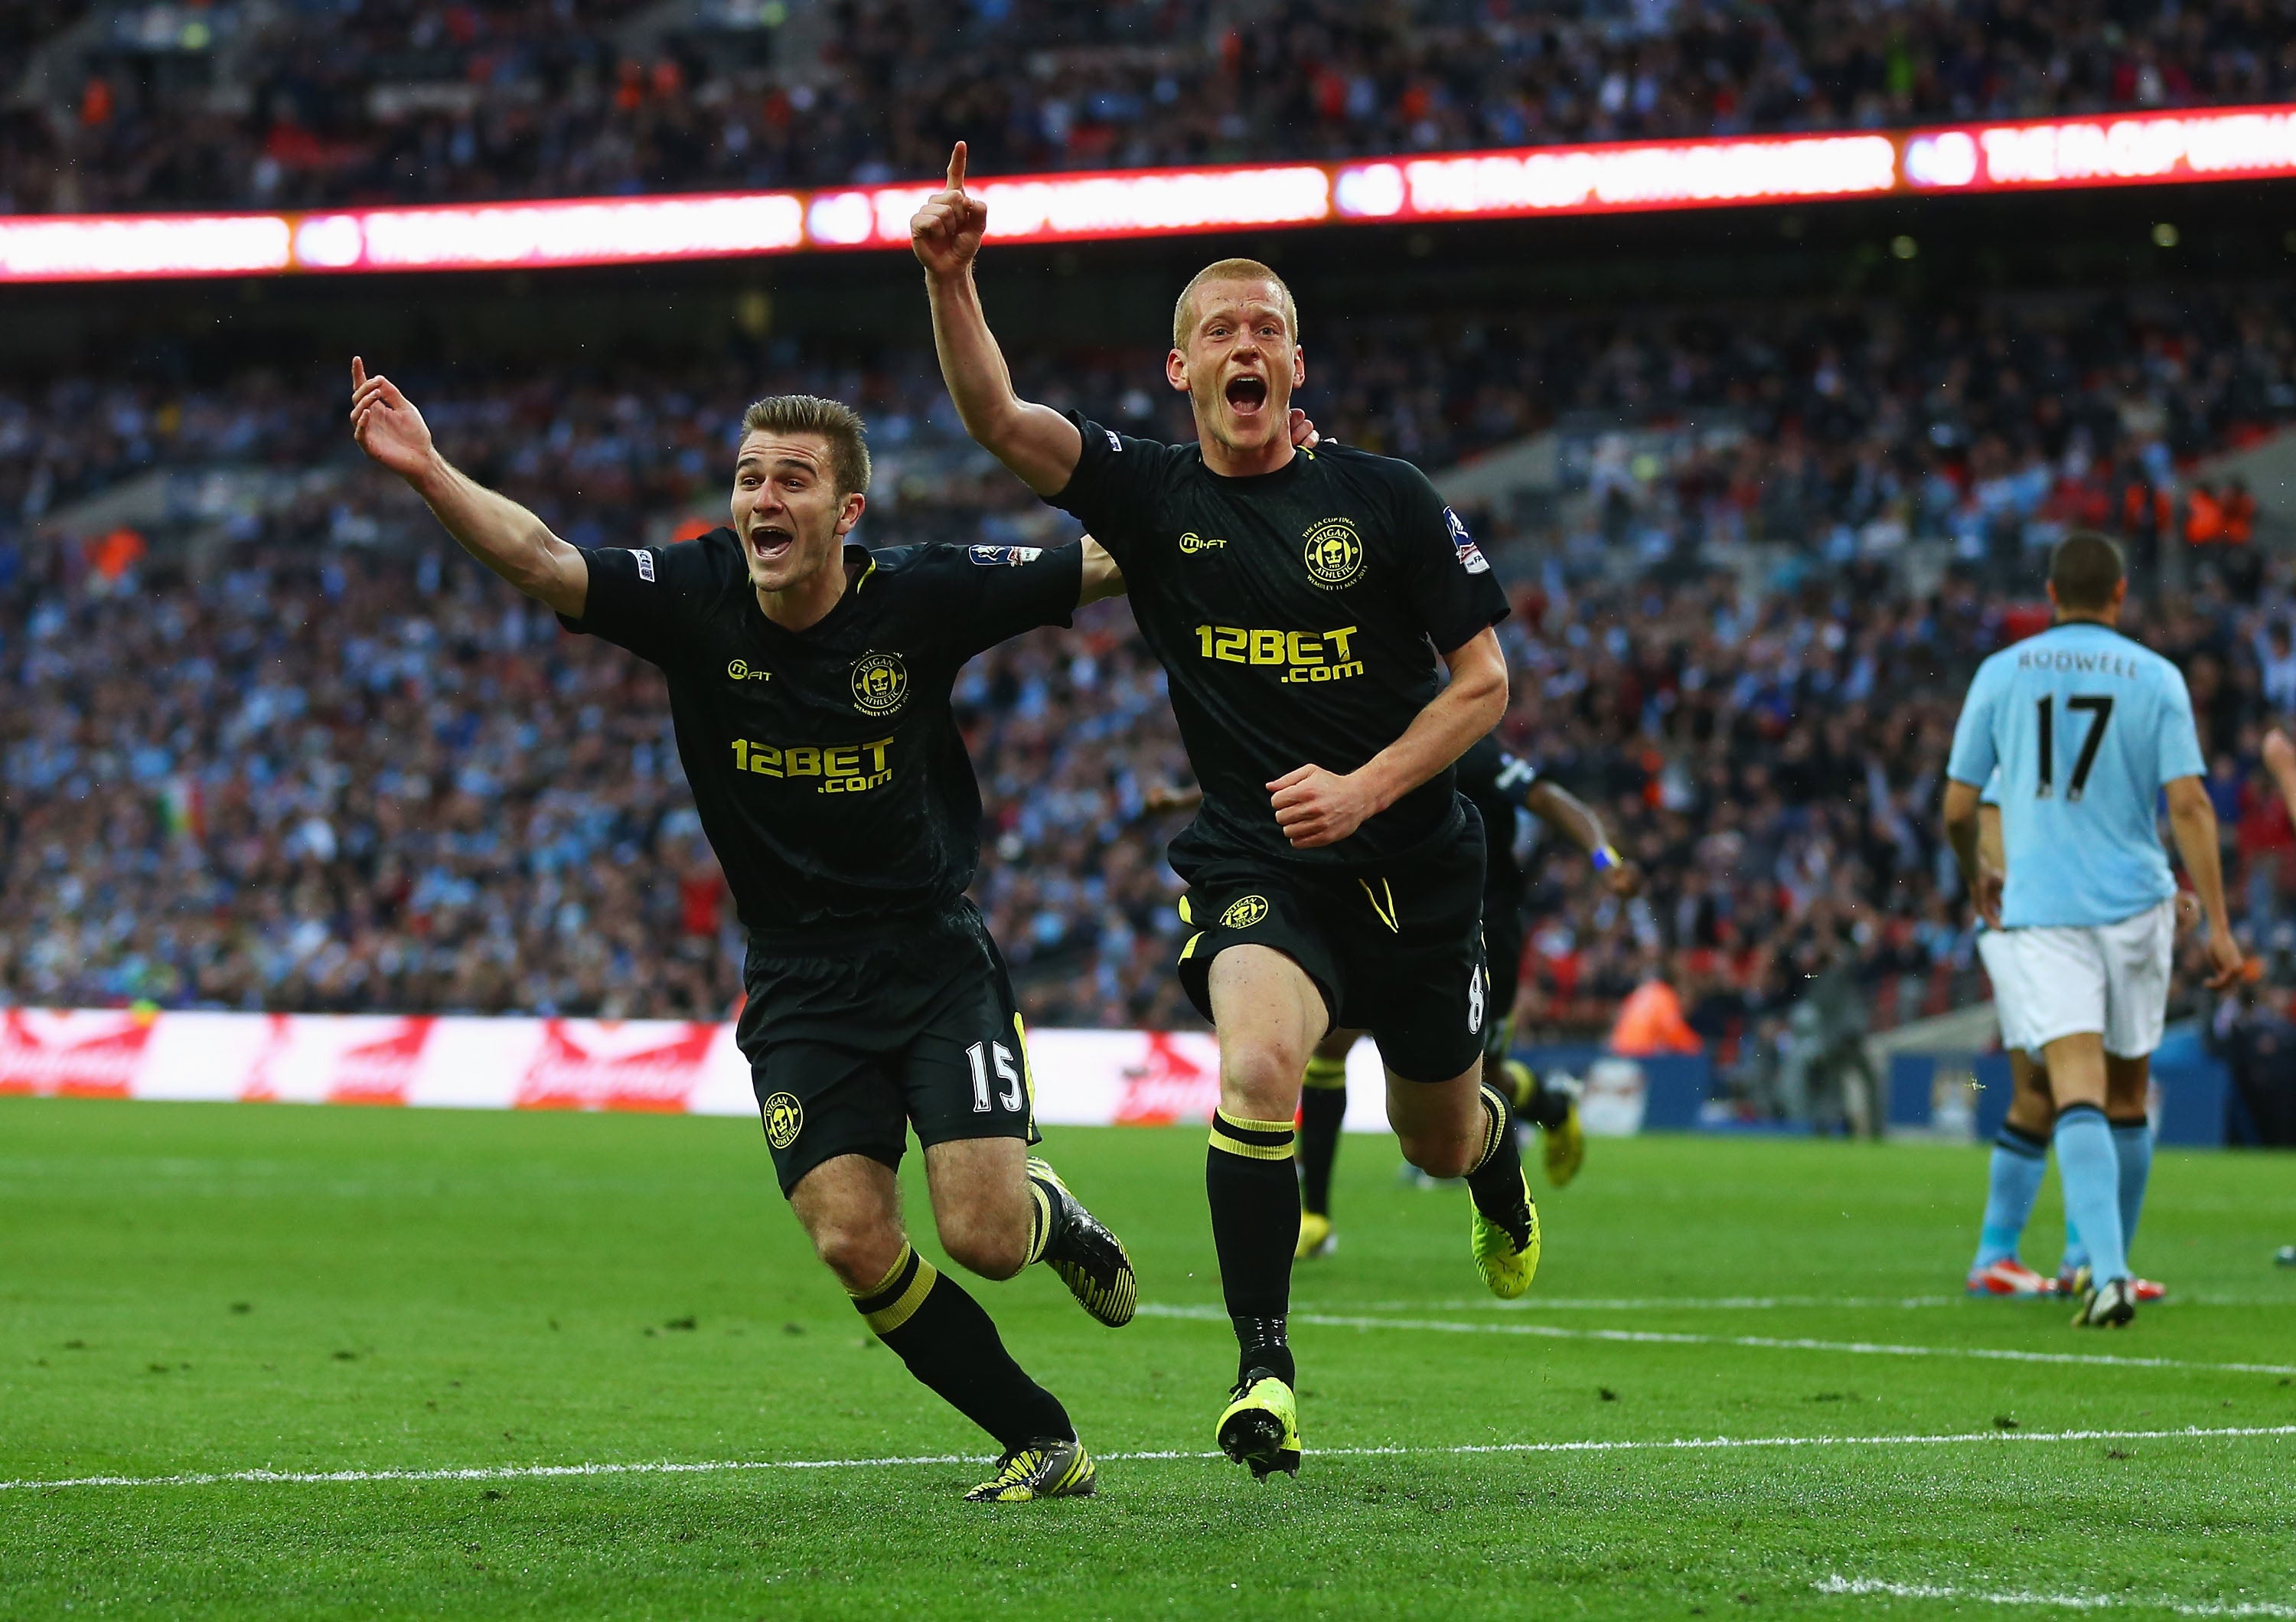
(285, 749)
(309, 102)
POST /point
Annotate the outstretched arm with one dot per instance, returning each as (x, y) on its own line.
(1315, 807)
(1035, 441)
(493, 528)
(2194, 822)
(1559, 808)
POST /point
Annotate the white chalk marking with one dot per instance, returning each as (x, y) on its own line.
(2062, 1601)
(1719, 1444)
(1652, 1337)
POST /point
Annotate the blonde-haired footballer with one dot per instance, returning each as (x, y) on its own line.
(1307, 605)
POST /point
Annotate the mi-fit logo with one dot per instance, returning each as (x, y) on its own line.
(1193, 543)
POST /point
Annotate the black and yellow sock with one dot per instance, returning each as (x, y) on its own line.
(1496, 1178)
(1048, 1218)
(1547, 1107)
(949, 1345)
(1255, 1201)
(1323, 1106)
(1544, 1107)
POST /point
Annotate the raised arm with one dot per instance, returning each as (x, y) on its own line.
(1035, 441)
(2193, 820)
(1559, 808)
(493, 528)
(1315, 807)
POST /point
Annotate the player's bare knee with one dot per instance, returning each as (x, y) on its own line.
(860, 1253)
(1261, 1081)
(1440, 1154)
(991, 1243)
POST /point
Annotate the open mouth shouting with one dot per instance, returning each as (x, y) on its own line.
(769, 544)
(1247, 394)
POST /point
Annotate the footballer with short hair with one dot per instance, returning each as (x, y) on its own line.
(809, 682)
(1305, 603)
(2088, 732)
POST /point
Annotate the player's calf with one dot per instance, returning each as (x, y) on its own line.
(982, 1204)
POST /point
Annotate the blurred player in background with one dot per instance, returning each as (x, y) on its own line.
(1497, 784)
(2020, 1149)
(809, 683)
(2087, 729)
(1298, 601)
(2280, 760)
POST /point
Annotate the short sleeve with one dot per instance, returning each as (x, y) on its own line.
(1517, 777)
(1973, 758)
(640, 598)
(2179, 742)
(1114, 489)
(1990, 794)
(1448, 580)
(998, 592)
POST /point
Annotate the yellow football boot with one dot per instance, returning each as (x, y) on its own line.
(1316, 1237)
(1052, 1468)
(1508, 1269)
(1260, 1426)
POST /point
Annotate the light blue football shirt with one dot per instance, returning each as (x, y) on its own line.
(2085, 727)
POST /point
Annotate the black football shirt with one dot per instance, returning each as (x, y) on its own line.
(828, 772)
(1298, 614)
(1496, 782)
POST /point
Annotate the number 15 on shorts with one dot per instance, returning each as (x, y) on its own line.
(981, 1055)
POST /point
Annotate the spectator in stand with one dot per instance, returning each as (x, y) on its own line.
(367, 100)
(331, 784)
(1650, 1019)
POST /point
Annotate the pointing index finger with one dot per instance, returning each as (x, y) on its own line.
(956, 167)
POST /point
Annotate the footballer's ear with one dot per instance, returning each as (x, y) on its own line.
(1175, 371)
(849, 514)
(1299, 365)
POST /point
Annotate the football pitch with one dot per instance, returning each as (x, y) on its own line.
(270, 1362)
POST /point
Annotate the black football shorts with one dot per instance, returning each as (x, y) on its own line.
(1396, 951)
(1503, 944)
(863, 1034)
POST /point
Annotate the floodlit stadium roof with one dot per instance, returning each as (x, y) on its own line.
(1640, 176)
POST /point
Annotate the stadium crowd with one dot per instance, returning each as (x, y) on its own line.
(333, 766)
(326, 778)
(313, 102)
(1855, 426)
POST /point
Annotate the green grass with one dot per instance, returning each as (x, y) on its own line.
(220, 1288)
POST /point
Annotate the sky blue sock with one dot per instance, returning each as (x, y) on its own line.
(2132, 1141)
(2076, 1252)
(2090, 1170)
(2012, 1184)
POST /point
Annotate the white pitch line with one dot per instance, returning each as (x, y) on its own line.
(2062, 1602)
(1775, 1303)
(1652, 1337)
(1735, 1303)
(1719, 1444)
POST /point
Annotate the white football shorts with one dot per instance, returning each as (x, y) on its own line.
(2112, 978)
(2001, 968)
